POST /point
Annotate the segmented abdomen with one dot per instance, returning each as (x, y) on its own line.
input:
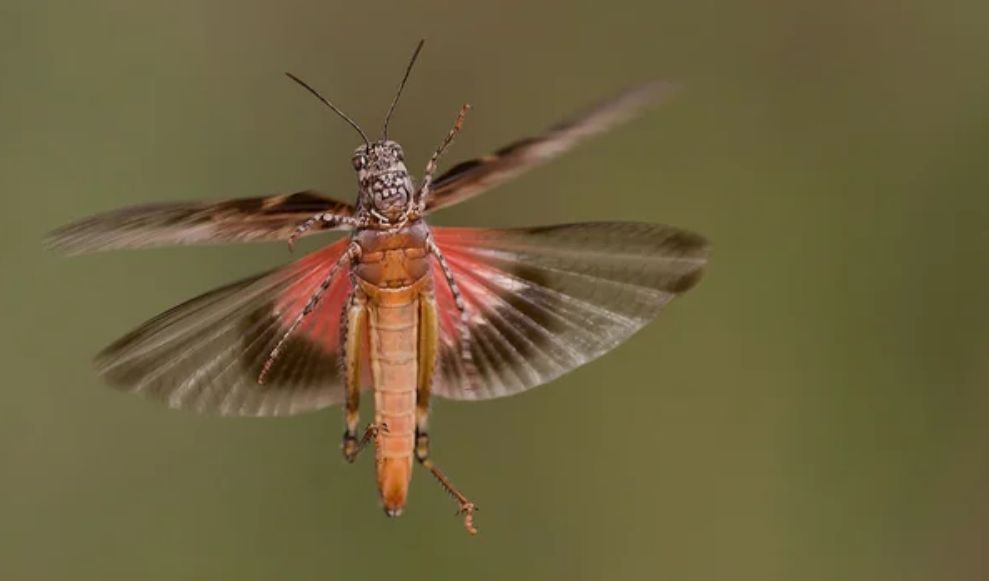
(394, 332)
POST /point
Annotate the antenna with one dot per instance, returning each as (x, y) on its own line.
(408, 70)
(332, 106)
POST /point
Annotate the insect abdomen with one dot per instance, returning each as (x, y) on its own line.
(394, 331)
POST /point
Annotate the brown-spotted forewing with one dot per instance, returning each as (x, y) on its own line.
(407, 309)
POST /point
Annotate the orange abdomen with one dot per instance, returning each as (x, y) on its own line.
(394, 332)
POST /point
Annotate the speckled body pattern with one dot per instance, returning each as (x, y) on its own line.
(416, 312)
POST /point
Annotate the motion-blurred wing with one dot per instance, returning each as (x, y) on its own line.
(206, 354)
(476, 176)
(146, 226)
(543, 301)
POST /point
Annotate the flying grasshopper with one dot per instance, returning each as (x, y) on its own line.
(410, 310)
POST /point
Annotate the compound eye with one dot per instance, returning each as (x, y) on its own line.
(360, 162)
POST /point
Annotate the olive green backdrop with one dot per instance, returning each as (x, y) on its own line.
(815, 410)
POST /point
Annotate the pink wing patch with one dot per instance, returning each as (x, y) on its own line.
(323, 325)
(545, 300)
(464, 270)
(479, 283)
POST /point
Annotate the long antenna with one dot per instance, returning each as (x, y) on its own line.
(408, 70)
(367, 142)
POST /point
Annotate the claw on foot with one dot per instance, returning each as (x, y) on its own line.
(467, 509)
(291, 240)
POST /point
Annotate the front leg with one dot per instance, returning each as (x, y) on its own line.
(354, 334)
(327, 217)
(427, 180)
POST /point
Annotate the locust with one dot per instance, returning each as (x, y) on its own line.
(411, 311)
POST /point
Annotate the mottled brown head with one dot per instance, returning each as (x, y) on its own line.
(385, 185)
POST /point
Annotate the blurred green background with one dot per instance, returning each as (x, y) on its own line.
(815, 409)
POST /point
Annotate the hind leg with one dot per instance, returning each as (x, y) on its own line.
(355, 331)
(428, 344)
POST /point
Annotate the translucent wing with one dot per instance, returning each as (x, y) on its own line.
(244, 220)
(206, 354)
(476, 176)
(543, 301)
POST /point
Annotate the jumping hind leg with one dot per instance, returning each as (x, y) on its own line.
(355, 331)
(428, 346)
